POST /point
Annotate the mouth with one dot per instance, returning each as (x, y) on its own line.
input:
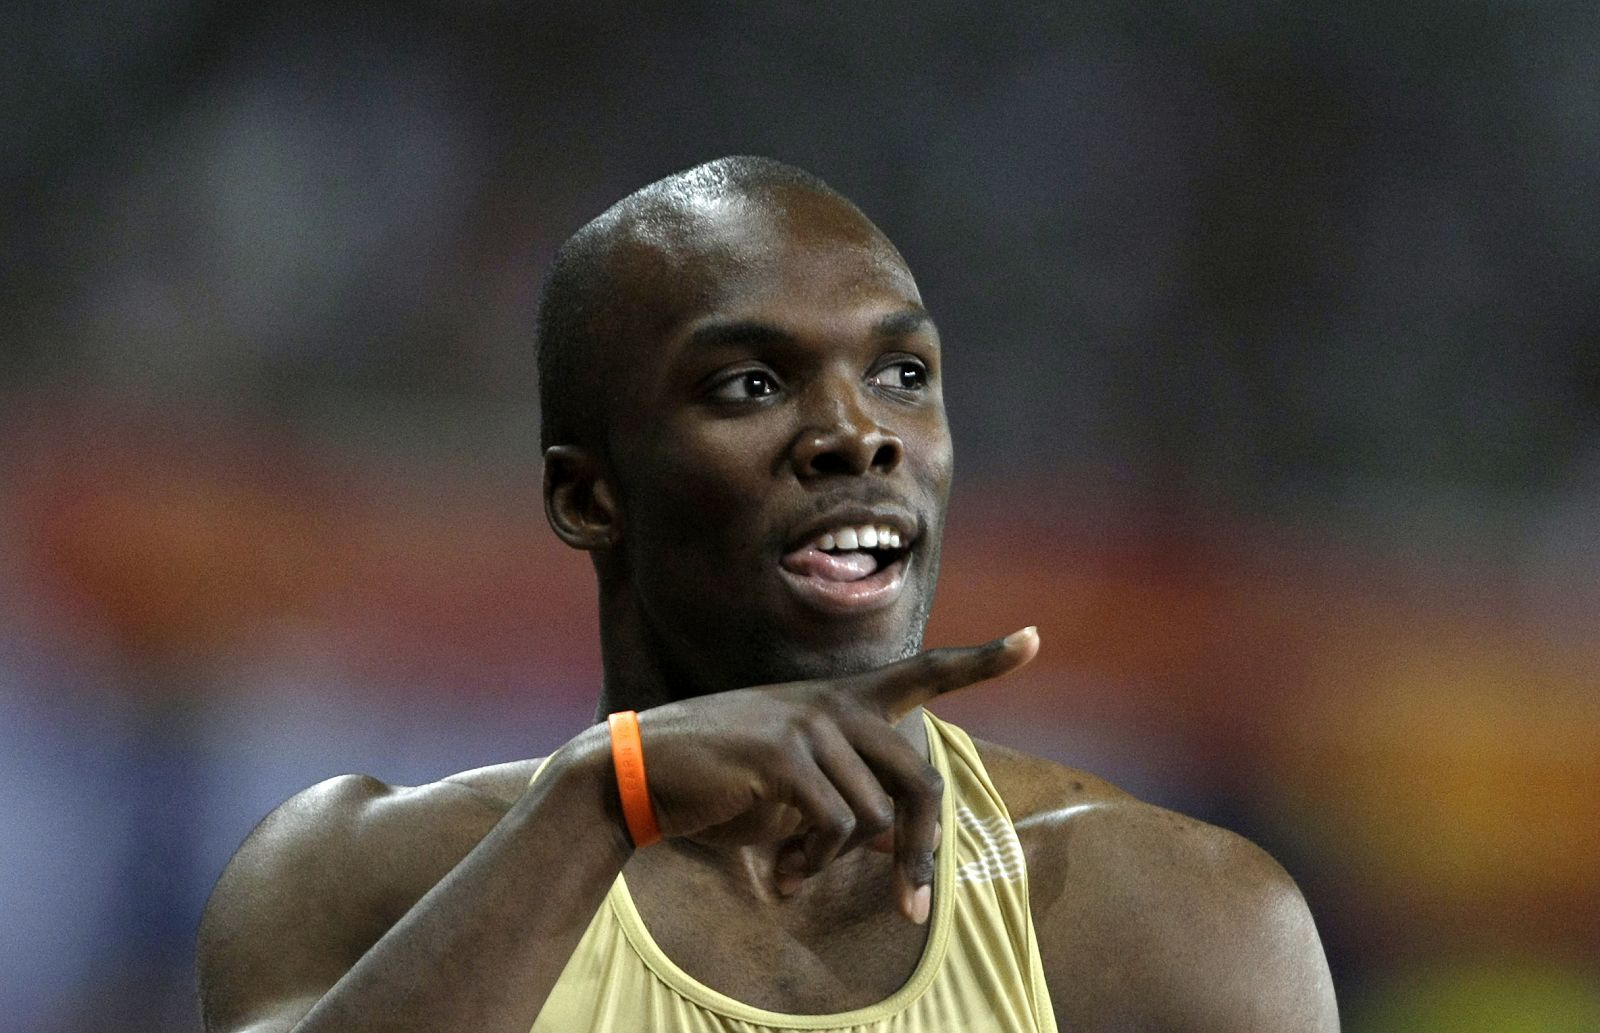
(851, 566)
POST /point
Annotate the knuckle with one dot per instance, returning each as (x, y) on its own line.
(842, 825)
(814, 723)
(876, 820)
(801, 731)
(791, 741)
(919, 868)
(932, 781)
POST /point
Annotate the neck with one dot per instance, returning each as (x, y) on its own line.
(636, 674)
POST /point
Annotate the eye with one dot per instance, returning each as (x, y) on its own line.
(745, 385)
(901, 375)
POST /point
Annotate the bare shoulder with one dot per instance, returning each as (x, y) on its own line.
(326, 874)
(1151, 919)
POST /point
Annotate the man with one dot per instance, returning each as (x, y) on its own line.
(743, 426)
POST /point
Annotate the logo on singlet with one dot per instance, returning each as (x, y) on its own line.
(999, 853)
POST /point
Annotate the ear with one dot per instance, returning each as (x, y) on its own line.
(578, 499)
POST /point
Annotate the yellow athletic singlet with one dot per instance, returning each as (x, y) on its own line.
(979, 973)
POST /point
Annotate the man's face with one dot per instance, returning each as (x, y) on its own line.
(781, 397)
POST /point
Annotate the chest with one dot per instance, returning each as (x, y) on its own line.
(813, 954)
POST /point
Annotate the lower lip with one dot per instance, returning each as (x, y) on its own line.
(872, 592)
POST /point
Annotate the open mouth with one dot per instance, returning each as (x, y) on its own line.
(849, 568)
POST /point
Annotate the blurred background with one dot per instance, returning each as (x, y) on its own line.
(1273, 355)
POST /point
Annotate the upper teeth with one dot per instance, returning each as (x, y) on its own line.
(867, 536)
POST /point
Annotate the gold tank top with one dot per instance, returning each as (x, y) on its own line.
(979, 973)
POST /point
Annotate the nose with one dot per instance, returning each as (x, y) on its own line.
(843, 439)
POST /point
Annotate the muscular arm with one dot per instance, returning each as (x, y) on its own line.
(357, 907)
(1208, 932)
(1148, 920)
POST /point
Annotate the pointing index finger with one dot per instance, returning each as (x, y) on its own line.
(901, 687)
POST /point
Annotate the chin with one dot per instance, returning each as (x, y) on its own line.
(837, 650)
(773, 635)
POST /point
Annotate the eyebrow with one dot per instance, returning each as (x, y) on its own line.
(737, 332)
(903, 323)
(749, 332)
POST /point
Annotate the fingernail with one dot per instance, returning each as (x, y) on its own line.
(921, 900)
(788, 885)
(1017, 638)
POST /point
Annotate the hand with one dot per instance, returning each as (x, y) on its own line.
(817, 765)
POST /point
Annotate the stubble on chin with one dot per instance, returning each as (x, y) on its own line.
(772, 660)
(754, 651)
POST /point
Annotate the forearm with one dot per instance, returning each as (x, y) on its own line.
(483, 948)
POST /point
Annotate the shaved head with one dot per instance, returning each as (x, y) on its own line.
(601, 284)
(729, 356)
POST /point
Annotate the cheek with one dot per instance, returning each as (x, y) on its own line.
(931, 456)
(702, 485)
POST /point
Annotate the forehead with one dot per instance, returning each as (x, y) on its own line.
(791, 251)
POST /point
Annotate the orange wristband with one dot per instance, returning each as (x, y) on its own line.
(627, 756)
